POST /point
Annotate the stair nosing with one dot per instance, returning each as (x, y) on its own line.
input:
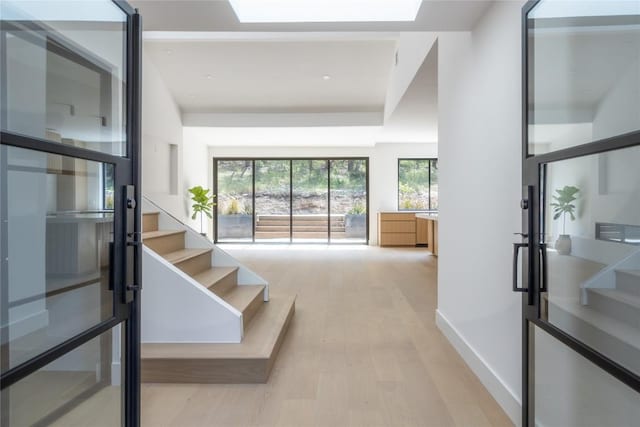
(231, 270)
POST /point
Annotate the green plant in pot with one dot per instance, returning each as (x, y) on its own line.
(202, 203)
(563, 205)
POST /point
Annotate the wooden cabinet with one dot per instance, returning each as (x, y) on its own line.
(396, 229)
(423, 228)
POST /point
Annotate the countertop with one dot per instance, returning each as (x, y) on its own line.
(430, 216)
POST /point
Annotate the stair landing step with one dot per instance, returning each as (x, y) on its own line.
(248, 362)
(184, 254)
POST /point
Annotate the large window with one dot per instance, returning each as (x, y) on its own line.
(306, 200)
(418, 184)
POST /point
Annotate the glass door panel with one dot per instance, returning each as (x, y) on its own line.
(584, 72)
(234, 201)
(89, 379)
(571, 391)
(58, 246)
(348, 189)
(310, 201)
(66, 83)
(273, 200)
(592, 230)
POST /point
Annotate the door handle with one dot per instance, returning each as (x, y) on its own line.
(543, 266)
(516, 253)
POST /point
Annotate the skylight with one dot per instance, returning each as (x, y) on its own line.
(262, 11)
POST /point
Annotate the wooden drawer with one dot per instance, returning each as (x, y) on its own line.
(397, 216)
(397, 239)
(398, 226)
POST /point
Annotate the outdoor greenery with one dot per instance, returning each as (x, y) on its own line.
(563, 205)
(418, 184)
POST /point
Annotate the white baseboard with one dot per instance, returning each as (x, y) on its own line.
(505, 397)
(28, 324)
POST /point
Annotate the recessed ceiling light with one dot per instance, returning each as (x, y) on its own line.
(326, 77)
(208, 76)
(254, 11)
(168, 51)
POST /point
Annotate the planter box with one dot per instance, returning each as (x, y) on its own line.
(235, 226)
(355, 226)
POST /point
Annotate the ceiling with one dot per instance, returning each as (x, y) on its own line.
(213, 64)
(275, 76)
(217, 15)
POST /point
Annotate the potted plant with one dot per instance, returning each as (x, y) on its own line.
(202, 203)
(355, 221)
(563, 205)
(235, 220)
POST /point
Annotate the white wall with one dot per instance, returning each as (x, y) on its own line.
(480, 188)
(412, 48)
(383, 167)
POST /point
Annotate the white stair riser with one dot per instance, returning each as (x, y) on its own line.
(619, 310)
(628, 282)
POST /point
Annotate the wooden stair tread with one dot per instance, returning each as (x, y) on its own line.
(214, 274)
(151, 213)
(239, 297)
(184, 254)
(260, 339)
(160, 233)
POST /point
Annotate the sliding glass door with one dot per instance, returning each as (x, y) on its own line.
(310, 203)
(292, 200)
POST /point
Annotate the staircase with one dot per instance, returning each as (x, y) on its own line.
(310, 226)
(201, 324)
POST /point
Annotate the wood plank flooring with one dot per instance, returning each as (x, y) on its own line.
(362, 350)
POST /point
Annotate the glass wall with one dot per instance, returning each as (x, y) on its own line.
(273, 200)
(348, 183)
(310, 203)
(234, 200)
(285, 200)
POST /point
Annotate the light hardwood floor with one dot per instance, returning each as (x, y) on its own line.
(363, 350)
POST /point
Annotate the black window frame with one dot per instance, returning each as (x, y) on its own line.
(430, 160)
(253, 161)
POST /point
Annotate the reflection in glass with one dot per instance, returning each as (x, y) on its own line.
(571, 391)
(584, 72)
(235, 200)
(310, 200)
(273, 200)
(348, 200)
(58, 250)
(83, 388)
(594, 260)
(67, 85)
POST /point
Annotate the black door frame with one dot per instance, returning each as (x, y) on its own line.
(253, 197)
(127, 172)
(533, 175)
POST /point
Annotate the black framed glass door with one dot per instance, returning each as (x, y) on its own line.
(69, 181)
(578, 264)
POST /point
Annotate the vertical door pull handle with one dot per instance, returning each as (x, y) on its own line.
(516, 253)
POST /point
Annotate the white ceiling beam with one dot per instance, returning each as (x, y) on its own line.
(235, 120)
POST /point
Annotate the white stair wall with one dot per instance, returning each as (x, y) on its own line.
(607, 278)
(177, 309)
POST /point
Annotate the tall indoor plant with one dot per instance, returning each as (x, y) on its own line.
(563, 205)
(202, 203)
